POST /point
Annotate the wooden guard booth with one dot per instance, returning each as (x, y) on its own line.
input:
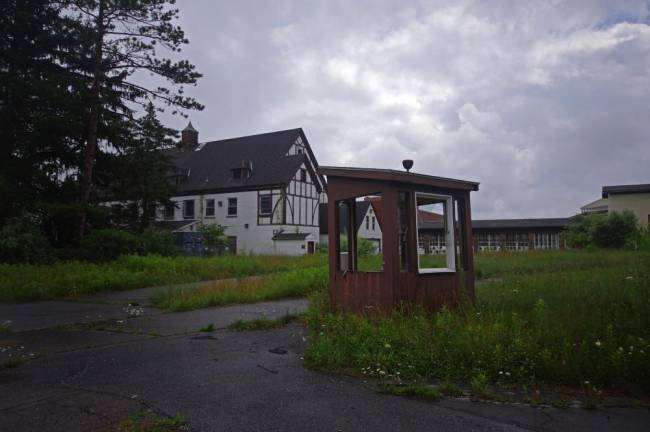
(401, 281)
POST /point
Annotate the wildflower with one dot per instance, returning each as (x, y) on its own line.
(587, 383)
(515, 291)
(386, 345)
(629, 277)
(598, 343)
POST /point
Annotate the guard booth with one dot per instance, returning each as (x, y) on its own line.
(411, 269)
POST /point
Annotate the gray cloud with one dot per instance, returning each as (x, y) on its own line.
(541, 103)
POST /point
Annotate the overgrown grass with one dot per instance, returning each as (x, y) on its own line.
(264, 323)
(292, 283)
(146, 421)
(580, 319)
(34, 282)
(419, 391)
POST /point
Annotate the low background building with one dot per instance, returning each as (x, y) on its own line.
(635, 198)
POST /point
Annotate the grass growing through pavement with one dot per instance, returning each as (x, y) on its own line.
(70, 279)
(146, 421)
(292, 283)
(580, 319)
(264, 323)
(208, 328)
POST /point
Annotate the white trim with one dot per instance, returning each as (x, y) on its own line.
(450, 240)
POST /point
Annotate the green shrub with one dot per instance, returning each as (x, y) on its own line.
(365, 247)
(214, 238)
(157, 242)
(612, 231)
(615, 230)
(107, 245)
(22, 242)
(581, 229)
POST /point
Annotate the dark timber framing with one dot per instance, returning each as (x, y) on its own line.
(396, 285)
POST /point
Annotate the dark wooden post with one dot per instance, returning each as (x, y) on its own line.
(334, 237)
(468, 255)
(352, 235)
(390, 233)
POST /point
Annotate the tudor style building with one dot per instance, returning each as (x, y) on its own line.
(262, 188)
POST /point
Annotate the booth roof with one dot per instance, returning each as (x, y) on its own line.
(390, 175)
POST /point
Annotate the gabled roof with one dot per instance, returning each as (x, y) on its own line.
(625, 189)
(361, 208)
(209, 166)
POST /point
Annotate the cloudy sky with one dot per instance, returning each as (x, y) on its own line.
(541, 102)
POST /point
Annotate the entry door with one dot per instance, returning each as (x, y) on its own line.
(310, 247)
(232, 245)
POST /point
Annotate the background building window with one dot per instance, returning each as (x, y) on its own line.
(188, 209)
(168, 210)
(209, 208)
(266, 205)
(303, 175)
(373, 223)
(232, 207)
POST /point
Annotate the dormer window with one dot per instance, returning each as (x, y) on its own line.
(303, 175)
(243, 171)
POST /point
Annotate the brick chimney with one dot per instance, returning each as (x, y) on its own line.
(189, 138)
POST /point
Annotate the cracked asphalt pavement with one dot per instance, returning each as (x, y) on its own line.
(88, 380)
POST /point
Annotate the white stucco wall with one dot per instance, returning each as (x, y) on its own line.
(251, 237)
(294, 247)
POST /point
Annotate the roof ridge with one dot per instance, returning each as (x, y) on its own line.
(251, 136)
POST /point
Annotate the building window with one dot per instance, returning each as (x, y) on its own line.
(367, 222)
(303, 175)
(188, 209)
(373, 223)
(232, 207)
(547, 241)
(266, 205)
(488, 242)
(299, 150)
(209, 208)
(516, 242)
(168, 210)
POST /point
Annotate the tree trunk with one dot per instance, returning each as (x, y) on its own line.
(93, 121)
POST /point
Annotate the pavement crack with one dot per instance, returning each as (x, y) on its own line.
(273, 371)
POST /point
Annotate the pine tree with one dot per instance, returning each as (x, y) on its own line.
(139, 172)
(39, 105)
(118, 39)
